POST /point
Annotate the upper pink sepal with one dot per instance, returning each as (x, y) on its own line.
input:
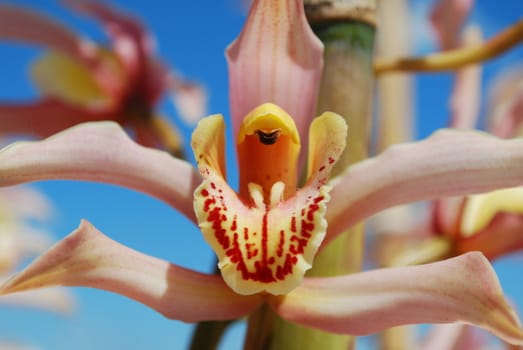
(278, 59)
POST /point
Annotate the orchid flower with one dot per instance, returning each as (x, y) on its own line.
(489, 222)
(82, 81)
(266, 235)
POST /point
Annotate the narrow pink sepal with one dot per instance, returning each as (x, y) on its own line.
(447, 18)
(462, 289)
(278, 59)
(90, 259)
(102, 152)
(449, 163)
(20, 24)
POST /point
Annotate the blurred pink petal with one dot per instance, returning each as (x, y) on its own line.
(21, 24)
(506, 103)
(58, 300)
(28, 242)
(447, 18)
(278, 59)
(190, 99)
(462, 289)
(449, 163)
(446, 214)
(47, 117)
(15, 346)
(26, 203)
(130, 41)
(88, 258)
(466, 95)
(101, 152)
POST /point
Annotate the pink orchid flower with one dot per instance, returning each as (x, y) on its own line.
(266, 235)
(489, 222)
(82, 81)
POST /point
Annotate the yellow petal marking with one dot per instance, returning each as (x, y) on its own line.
(59, 76)
(480, 209)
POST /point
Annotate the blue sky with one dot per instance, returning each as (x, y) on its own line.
(191, 36)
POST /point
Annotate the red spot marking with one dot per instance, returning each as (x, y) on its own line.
(306, 229)
(319, 199)
(213, 186)
(302, 243)
(293, 224)
(251, 253)
(322, 168)
(279, 252)
(204, 192)
(331, 160)
(245, 234)
(207, 204)
(234, 225)
(286, 269)
(215, 218)
(264, 238)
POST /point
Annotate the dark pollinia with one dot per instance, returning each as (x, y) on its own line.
(268, 138)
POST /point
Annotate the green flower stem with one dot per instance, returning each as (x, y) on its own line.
(347, 89)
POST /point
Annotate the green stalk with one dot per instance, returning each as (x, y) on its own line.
(347, 89)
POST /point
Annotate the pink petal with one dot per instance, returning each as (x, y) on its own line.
(449, 163)
(447, 18)
(46, 117)
(460, 289)
(101, 152)
(21, 24)
(88, 258)
(275, 59)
